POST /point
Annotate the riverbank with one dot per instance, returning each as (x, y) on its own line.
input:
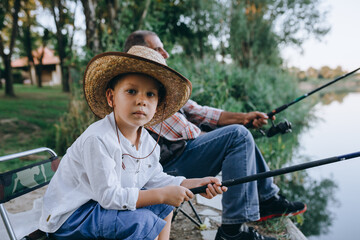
(349, 84)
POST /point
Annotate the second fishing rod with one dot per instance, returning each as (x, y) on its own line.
(285, 126)
(281, 171)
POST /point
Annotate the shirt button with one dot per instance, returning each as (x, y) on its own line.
(137, 160)
(124, 206)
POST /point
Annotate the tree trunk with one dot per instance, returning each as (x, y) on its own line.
(143, 15)
(65, 78)
(32, 80)
(9, 89)
(39, 67)
(27, 43)
(60, 22)
(30, 61)
(92, 34)
(38, 74)
(112, 8)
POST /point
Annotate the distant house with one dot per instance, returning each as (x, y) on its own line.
(51, 71)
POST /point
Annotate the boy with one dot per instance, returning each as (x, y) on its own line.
(110, 184)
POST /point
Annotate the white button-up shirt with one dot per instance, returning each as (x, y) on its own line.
(94, 168)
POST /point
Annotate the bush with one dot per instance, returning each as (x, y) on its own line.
(73, 123)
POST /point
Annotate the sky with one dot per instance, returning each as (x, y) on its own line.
(341, 46)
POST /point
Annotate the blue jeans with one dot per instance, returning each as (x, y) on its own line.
(91, 221)
(232, 150)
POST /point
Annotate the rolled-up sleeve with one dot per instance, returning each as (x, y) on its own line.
(104, 181)
(201, 115)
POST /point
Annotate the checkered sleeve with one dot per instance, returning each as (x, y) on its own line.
(176, 127)
(201, 115)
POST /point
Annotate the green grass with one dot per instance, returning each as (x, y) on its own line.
(27, 120)
(274, 227)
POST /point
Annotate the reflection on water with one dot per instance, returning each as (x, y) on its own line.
(335, 132)
(329, 98)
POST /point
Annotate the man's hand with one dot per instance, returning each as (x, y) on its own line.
(257, 119)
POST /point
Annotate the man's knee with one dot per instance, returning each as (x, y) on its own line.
(241, 134)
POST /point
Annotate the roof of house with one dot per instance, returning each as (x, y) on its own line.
(48, 59)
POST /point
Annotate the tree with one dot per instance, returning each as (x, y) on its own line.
(92, 30)
(40, 56)
(25, 34)
(337, 72)
(312, 73)
(295, 21)
(65, 28)
(258, 27)
(108, 22)
(197, 23)
(325, 72)
(9, 31)
(252, 40)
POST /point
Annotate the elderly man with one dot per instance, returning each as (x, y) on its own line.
(227, 146)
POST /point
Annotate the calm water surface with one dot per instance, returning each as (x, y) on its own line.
(337, 132)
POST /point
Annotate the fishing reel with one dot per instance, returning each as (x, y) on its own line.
(282, 127)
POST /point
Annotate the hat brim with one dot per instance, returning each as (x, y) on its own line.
(104, 67)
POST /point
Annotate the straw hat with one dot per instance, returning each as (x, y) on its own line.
(139, 59)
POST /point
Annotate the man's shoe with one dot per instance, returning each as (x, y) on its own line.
(244, 234)
(278, 206)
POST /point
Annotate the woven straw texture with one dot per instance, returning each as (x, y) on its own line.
(103, 67)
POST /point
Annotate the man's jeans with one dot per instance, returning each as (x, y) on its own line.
(232, 150)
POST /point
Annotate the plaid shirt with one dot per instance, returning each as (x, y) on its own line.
(179, 127)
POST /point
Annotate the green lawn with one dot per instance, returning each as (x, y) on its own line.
(27, 121)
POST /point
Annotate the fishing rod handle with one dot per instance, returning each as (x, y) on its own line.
(202, 189)
(277, 110)
(197, 190)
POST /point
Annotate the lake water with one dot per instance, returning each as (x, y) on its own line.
(337, 132)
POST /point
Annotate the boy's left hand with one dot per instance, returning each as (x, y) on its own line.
(213, 187)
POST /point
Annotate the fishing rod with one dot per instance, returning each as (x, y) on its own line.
(280, 171)
(285, 126)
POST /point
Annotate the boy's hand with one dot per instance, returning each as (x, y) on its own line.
(213, 187)
(175, 195)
